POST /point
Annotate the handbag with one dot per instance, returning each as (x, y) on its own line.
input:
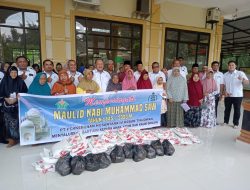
(10, 108)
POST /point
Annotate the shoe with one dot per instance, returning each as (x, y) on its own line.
(224, 124)
(236, 127)
(11, 143)
(4, 141)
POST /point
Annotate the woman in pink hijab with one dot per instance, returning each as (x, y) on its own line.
(129, 82)
(208, 117)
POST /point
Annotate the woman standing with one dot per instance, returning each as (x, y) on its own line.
(177, 94)
(208, 117)
(129, 82)
(114, 84)
(87, 84)
(64, 85)
(195, 93)
(39, 85)
(10, 87)
(144, 81)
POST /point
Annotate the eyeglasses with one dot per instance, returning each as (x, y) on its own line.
(155, 67)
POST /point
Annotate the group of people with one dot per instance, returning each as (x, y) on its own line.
(200, 91)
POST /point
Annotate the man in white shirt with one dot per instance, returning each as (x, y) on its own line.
(26, 72)
(74, 75)
(139, 69)
(233, 91)
(176, 63)
(219, 79)
(48, 67)
(183, 68)
(156, 73)
(101, 77)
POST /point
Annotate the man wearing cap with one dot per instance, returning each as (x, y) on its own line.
(126, 66)
(219, 78)
(233, 91)
(26, 72)
(195, 70)
(139, 67)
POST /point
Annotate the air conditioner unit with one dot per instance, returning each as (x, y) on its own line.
(213, 15)
(88, 2)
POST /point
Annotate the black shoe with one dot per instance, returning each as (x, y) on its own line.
(3, 141)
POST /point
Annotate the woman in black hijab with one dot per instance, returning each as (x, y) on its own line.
(10, 87)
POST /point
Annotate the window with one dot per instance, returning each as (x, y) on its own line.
(19, 35)
(192, 46)
(107, 40)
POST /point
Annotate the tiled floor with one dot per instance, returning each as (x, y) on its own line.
(218, 163)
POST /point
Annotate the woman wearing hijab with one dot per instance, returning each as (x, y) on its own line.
(195, 93)
(87, 84)
(39, 85)
(64, 85)
(10, 87)
(114, 84)
(129, 82)
(177, 94)
(159, 85)
(208, 117)
(144, 81)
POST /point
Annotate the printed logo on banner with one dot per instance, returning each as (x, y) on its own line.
(62, 104)
(152, 97)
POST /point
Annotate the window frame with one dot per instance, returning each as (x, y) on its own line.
(179, 41)
(110, 35)
(24, 28)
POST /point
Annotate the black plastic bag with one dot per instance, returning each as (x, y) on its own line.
(117, 154)
(128, 150)
(78, 165)
(63, 166)
(104, 160)
(150, 151)
(168, 148)
(158, 147)
(92, 162)
(139, 153)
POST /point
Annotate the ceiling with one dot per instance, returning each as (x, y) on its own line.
(227, 7)
(236, 37)
(236, 32)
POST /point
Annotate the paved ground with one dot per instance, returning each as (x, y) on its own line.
(218, 163)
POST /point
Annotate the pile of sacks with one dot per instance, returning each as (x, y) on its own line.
(78, 153)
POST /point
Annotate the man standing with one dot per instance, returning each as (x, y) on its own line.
(233, 80)
(126, 66)
(176, 63)
(101, 77)
(24, 71)
(111, 67)
(156, 73)
(139, 69)
(48, 67)
(183, 68)
(74, 75)
(203, 73)
(219, 79)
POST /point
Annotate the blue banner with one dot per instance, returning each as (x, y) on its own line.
(51, 118)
